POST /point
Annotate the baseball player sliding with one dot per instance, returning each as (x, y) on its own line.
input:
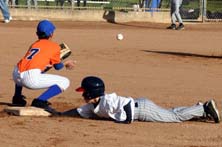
(100, 105)
(30, 70)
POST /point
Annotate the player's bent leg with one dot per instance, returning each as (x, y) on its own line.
(42, 81)
(55, 84)
(49, 93)
(18, 99)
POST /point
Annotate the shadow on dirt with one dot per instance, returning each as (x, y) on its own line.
(109, 16)
(183, 54)
(7, 104)
(147, 25)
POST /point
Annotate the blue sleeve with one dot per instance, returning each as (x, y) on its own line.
(58, 66)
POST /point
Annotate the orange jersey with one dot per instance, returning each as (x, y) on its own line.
(41, 53)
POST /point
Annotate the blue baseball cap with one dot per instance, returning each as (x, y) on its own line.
(45, 27)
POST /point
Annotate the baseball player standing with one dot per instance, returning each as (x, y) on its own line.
(175, 15)
(30, 70)
(5, 11)
(127, 109)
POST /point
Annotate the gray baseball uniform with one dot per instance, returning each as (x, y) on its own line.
(112, 106)
(146, 110)
(175, 11)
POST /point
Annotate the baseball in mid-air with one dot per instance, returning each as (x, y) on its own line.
(119, 36)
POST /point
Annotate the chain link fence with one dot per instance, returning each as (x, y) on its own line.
(200, 10)
(213, 11)
(191, 10)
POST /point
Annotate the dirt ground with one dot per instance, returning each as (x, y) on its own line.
(172, 68)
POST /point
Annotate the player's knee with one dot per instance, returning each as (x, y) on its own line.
(65, 84)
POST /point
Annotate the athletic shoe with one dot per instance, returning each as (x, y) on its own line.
(199, 103)
(180, 27)
(210, 109)
(172, 27)
(45, 105)
(8, 20)
(40, 103)
(19, 100)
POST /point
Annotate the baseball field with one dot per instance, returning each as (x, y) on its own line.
(172, 68)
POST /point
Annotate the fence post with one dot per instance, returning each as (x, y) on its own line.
(204, 10)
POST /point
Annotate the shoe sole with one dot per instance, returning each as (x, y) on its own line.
(215, 111)
(6, 21)
(180, 29)
(171, 28)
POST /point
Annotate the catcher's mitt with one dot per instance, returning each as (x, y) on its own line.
(65, 51)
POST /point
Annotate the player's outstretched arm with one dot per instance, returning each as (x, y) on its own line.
(71, 113)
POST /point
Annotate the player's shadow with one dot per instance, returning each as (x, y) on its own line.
(109, 16)
(6, 103)
(143, 26)
(182, 54)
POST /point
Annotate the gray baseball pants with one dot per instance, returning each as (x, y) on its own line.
(175, 11)
(146, 110)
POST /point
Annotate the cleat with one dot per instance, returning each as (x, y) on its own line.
(40, 103)
(172, 27)
(19, 100)
(210, 109)
(6, 21)
(45, 105)
(180, 27)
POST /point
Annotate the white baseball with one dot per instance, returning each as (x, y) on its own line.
(120, 36)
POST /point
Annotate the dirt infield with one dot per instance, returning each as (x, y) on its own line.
(172, 68)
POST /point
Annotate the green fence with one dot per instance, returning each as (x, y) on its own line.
(213, 10)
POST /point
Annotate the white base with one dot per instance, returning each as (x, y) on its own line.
(26, 111)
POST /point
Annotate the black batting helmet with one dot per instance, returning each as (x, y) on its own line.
(92, 87)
